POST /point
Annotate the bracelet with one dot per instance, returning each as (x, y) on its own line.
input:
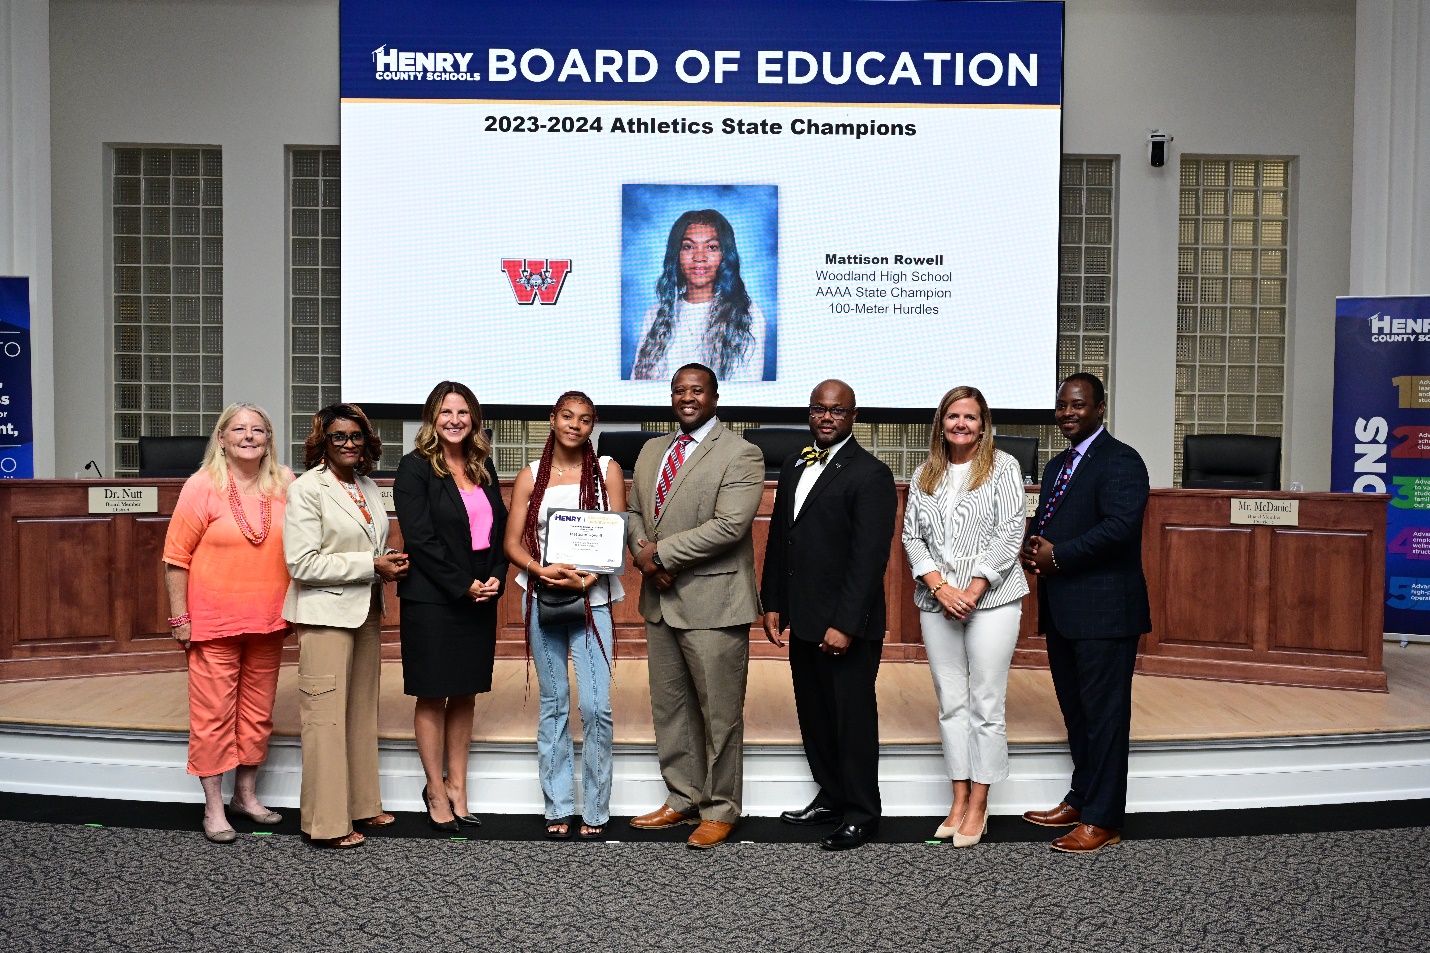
(527, 567)
(941, 584)
(178, 620)
(1053, 558)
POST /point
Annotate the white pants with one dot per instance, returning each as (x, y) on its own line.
(969, 663)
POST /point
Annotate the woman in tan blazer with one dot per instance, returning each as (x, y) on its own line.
(335, 543)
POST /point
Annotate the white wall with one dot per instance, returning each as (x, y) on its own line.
(25, 244)
(1273, 77)
(1390, 218)
(252, 77)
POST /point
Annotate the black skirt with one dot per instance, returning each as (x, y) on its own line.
(448, 648)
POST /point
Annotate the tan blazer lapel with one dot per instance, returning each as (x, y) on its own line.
(345, 502)
(701, 449)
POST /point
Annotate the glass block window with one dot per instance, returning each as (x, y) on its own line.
(1232, 273)
(167, 248)
(902, 446)
(515, 443)
(1087, 254)
(314, 296)
(390, 433)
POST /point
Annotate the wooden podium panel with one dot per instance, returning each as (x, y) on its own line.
(1286, 605)
(1208, 559)
(83, 593)
(1300, 605)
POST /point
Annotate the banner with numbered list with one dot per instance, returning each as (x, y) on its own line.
(1381, 438)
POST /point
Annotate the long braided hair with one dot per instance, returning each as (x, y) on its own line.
(728, 333)
(591, 495)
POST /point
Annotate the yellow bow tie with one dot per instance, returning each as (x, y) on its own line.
(813, 455)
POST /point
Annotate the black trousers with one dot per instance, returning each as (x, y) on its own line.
(839, 721)
(1093, 681)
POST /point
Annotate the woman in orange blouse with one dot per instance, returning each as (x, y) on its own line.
(226, 578)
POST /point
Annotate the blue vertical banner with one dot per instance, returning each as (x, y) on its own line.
(1381, 438)
(17, 432)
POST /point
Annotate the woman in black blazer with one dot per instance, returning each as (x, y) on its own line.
(450, 509)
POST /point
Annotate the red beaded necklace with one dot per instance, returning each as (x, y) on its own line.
(358, 499)
(265, 510)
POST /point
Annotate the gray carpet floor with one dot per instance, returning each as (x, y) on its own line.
(69, 887)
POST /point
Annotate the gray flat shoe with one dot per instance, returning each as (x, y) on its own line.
(268, 817)
(226, 836)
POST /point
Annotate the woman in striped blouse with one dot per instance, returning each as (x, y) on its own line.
(962, 527)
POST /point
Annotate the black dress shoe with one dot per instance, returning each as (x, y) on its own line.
(814, 813)
(850, 836)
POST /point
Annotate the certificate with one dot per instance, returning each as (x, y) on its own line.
(590, 540)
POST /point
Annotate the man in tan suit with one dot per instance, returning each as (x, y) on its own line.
(693, 499)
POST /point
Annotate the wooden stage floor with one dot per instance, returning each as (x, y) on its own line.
(1164, 709)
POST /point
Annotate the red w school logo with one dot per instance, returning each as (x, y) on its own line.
(536, 278)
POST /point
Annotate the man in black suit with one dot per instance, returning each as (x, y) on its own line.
(829, 541)
(1085, 546)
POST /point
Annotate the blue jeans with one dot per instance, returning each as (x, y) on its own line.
(555, 753)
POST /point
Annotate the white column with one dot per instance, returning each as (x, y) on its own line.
(25, 195)
(1390, 191)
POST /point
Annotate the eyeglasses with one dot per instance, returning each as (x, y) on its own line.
(838, 413)
(337, 438)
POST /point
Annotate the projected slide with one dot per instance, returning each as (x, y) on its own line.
(540, 197)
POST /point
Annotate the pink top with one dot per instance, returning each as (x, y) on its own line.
(235, 587)
(479, 515)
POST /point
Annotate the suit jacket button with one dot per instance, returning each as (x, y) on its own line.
(791, 572)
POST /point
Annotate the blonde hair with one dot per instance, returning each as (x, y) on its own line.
(476, 448)
(937, 464)
(273, 479)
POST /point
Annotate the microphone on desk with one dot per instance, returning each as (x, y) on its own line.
(91, 465)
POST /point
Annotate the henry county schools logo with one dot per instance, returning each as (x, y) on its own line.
(411, 65)
(536, 279)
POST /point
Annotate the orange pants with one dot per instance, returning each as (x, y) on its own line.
(232, 683)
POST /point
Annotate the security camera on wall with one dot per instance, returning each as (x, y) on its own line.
(1157, 148)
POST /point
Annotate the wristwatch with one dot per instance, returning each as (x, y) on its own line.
(655, 558)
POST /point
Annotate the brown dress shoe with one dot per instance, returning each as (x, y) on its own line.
(708, 834)
(1086, 839)
(1061, 816)
(662, 817)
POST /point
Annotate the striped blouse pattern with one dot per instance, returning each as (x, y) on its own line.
(967, 534)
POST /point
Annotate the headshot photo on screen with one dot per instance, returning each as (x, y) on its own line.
(699, 274)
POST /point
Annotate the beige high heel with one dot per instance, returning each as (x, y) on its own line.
(945, 831)
(968, 840)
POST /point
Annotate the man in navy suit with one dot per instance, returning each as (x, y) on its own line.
(1085, 546)
(830, 532)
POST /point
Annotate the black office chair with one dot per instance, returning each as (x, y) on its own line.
(1022, 449)
(171, 456)
(778, 444)
(624, 446)
(1231, 461)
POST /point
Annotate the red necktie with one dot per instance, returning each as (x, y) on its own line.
(1059, 488)
(673, 461)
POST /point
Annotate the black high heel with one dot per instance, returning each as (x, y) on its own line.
(469, 820)
(449, 827)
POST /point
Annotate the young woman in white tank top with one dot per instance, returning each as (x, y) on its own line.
(569, 476)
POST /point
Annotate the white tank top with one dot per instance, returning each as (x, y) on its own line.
(607, 588)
